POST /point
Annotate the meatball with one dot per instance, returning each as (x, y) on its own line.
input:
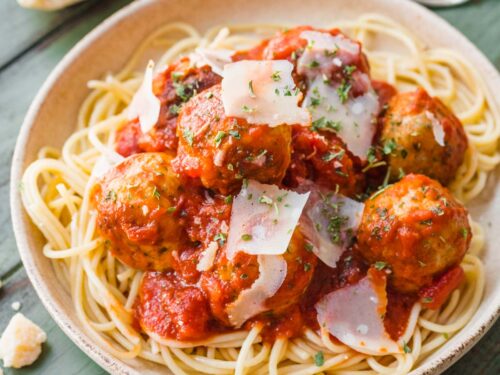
(136, 207)
(171, 309)
(416, 229)
(421, 135)
(324, 159)
(228, 278)
(222, 151)
(174, 86)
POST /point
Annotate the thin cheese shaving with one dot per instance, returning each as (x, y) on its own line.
(437, 128)
(145, 105)
(353, 119)
(354, 315)
(104, 163)
(263, 93)
(207, 258)
(263, 218)
(330, 222)
(216, 59)
(325, 53)
(250, 302)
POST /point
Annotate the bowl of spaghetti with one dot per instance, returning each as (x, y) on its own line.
(307, 188)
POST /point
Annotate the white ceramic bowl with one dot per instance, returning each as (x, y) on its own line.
(52, 115)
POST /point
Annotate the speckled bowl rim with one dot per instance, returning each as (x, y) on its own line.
(22, 227)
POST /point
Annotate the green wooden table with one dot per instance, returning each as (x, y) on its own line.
(31, 44)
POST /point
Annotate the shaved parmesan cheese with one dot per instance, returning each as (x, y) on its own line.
(325, 53)
(20, 344)
(354, 315)
(250, 302)
(216, 59)
(330, 222)
(47, 4)
(437, 128)
(353, 120)
(263, 93)
(207, 258)
(263, 218)
(145, 105)
(104, 163)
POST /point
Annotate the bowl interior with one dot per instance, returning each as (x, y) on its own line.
(51, 119)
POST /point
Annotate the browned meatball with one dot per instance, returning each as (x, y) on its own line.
(228, 278)
(421, 135)
(416, 229)
(135, 202)
(222, 151)
(324, 159)
(174, 86)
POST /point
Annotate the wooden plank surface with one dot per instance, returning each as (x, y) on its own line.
(29, 26)
(38, 42)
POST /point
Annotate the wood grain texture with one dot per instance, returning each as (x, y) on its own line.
(36, 42)
(29, 26)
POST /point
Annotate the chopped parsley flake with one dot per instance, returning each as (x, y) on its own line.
(246, 237)
(176, 76)
(389, 146)
(156, 193)
(174, 109)
(464, 232)
(333, 155)
(313, 64)
(406, 348)
(247, 109)
(380, 191)
(437, 210)
(235, 134)
(188, 136)
(427, 299)
(171, 209)
(209, 95)
(380, 265)
(250, 88)
(319, 359)
(309, 246)
(343, 91)
(228, 199)
(276, 76)
(111, 196)
(219, 137)
(307, 267)
(324, 124)
(221, 238)
(264, 199)
(349, 69)
(243, 276)
(184, 92)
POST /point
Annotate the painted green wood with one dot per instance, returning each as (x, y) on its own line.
(59, 354)
(18, 84)
(29, 26)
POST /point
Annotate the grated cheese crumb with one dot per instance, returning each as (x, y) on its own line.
(20, 344)
(16, 306)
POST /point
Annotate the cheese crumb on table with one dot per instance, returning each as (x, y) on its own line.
(16, 306)
(21, 342)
